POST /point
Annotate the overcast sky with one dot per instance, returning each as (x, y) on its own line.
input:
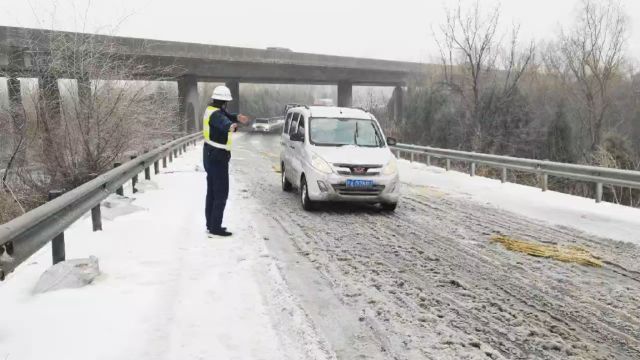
(397, 30)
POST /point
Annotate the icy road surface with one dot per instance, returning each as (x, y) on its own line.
(345, 282)
(426, 283)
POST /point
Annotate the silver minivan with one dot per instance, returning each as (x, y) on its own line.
(338, 154)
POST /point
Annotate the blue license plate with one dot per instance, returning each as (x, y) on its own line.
(351, 183)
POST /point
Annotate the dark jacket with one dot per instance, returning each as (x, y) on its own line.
(219, 123)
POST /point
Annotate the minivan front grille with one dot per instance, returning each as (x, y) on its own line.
(342, 189)
(349, 172)
(358, 170)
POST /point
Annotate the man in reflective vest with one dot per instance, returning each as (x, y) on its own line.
(218, 125)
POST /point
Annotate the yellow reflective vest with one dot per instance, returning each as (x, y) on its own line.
(205, 130)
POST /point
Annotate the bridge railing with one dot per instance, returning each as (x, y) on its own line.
(600, 176)
(22, 237)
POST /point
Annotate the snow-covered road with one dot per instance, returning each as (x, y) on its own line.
(345, 282)
(427, 282)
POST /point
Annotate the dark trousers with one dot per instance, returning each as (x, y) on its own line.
(217, 168)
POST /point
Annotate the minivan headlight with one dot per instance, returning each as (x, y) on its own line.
(320, 164)
(391, 168)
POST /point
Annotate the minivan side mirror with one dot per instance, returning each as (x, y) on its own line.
(297, 137)
(392, 141)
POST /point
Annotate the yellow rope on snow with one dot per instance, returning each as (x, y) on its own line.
(574, 254)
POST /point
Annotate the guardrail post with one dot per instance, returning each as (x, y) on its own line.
(473, 169)
(156, 167)
(599, 191)
(428, 160)
(134, 179)
(170, 155)
(412, 157)
(398, 154)
(96, 218)
(504, 175)
(175, 153)
(120, 190)
(544, 182)
(448, 166)
(147, 170)
(57, 244)
(164, 161)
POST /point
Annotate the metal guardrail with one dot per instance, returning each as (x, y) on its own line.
(598, 175)
(24, 236)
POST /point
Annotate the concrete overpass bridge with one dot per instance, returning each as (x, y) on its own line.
(193, 63)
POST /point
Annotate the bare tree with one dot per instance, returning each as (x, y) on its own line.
(81, 126)
(590, 57)
(478, 67)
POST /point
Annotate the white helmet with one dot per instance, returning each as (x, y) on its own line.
(221, 93)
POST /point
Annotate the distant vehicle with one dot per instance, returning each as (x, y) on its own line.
(267, 125)
(338, 154)
(261, 125)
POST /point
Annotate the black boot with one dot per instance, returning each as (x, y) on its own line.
(222, 228)
(220, 232)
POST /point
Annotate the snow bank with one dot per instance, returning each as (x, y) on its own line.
(605, 219)
(166, 291)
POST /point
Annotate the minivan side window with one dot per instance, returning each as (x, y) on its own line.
(294, 123)
(287, 123)
(301, 125)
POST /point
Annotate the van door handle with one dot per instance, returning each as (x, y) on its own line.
(291, 146)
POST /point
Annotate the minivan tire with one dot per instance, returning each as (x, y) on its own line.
(389, 206)
(286, 184)
(307, 204)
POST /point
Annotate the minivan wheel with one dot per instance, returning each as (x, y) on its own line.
(389, 206)
(307, 204)
(286, 185)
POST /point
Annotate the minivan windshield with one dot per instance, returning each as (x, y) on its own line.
(340, 132)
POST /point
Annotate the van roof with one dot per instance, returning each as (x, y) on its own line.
(334, 112)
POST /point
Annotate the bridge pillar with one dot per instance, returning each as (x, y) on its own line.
(234, 86)
(85, 102)
(19, 121)
(14, 58)
(345, 94)
(398, 104)
(13, 87)
(189, 103)
(49, 94)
